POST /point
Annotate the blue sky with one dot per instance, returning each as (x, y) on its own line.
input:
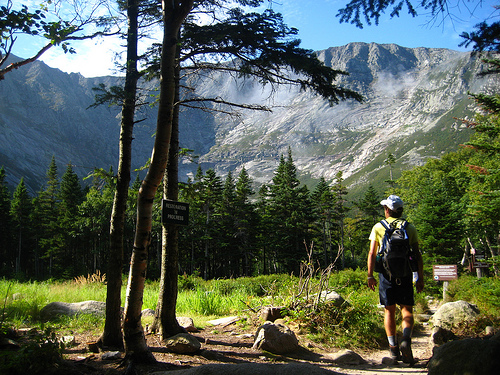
(319, 28)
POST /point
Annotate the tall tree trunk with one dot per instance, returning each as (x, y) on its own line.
(165, 320)
(174, 14)
(112, 335)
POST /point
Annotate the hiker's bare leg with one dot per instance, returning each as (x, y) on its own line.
(408, 321)
(390, 320)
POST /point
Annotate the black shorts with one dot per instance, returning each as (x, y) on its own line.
(395, 292)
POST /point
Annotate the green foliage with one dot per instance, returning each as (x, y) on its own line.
(483, 292)
(38, 355)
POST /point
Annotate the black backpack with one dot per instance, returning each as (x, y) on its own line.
(395, 258)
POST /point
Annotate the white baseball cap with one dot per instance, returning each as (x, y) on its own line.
(393, 202)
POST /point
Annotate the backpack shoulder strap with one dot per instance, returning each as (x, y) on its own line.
(385, 224)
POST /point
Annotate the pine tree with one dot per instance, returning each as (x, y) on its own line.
(21, 210)
(289, 214)
(322, 200)
(46, 211)
(7, 260)
(246, 221)
(66, 262)
(340, 210)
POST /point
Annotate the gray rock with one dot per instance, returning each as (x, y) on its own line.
(469, 356)
(452, 314)
(251, 369)
(347, 357)
(147, 312)
(332, 297)
(187, 324)
(56, 309)
(440, 336)
(276, 338)
(183, 343)
(109, 356)
(270, 313)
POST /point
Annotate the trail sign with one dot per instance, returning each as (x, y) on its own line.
(173, 212)
(445, 272)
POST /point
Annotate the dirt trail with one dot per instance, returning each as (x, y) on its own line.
(229, 345)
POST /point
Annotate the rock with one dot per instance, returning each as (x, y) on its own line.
(109, 356)
(56, 309)
(276, 338)
(489, 330)
(388, 361)
(147, 312)
(452, 314)
(440, 336)
(332, 297)
(251, 369)
(347, 357)
(183, 343)
(469, 356)
(187, 324)
(270, 313)
(67, 340)
(224, 321)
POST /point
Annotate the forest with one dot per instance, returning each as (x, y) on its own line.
(63, 231)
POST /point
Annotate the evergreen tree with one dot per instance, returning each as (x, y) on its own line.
(323, 200)
(246, 221)
(340, 210)
(46, 211)
(7, 260)
(66, 261)
(21, 210)
(289, 213)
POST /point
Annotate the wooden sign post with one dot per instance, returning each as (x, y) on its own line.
(445, 273)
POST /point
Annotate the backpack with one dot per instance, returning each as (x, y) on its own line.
(395, 258)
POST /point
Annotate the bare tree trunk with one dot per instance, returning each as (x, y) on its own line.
(174, 14)
(112, 335)
(165, 320)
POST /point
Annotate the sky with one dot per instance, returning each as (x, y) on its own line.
(318, 26)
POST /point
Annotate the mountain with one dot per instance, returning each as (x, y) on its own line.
(412, 97)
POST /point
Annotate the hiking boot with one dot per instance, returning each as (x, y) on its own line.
(406, 352)
(395, 353)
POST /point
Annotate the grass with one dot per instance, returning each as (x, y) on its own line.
(358, 323)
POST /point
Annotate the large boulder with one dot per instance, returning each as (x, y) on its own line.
(276, 338)
(56, 309)
(469, 356)
(452, 314)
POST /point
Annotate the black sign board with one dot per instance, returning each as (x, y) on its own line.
(173, 212)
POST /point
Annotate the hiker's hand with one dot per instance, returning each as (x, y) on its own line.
(372, 283)
(419, 285)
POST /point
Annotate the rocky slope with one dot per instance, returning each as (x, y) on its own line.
(412, 97)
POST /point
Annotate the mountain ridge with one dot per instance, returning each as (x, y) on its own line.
(413, 96)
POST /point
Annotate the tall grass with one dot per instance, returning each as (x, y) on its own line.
(357, 323)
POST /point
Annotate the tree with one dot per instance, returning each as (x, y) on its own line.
(174, 14)
(58, 32)
(21, 209)
(245, 221)
(288, 212)
(6, 245)
(323, 200)
(372, 10)
(47, 211)
(340, 210)
(112, 335)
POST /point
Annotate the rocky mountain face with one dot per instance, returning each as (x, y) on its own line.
(412, 100)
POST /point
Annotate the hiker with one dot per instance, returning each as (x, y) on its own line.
(396, 290)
